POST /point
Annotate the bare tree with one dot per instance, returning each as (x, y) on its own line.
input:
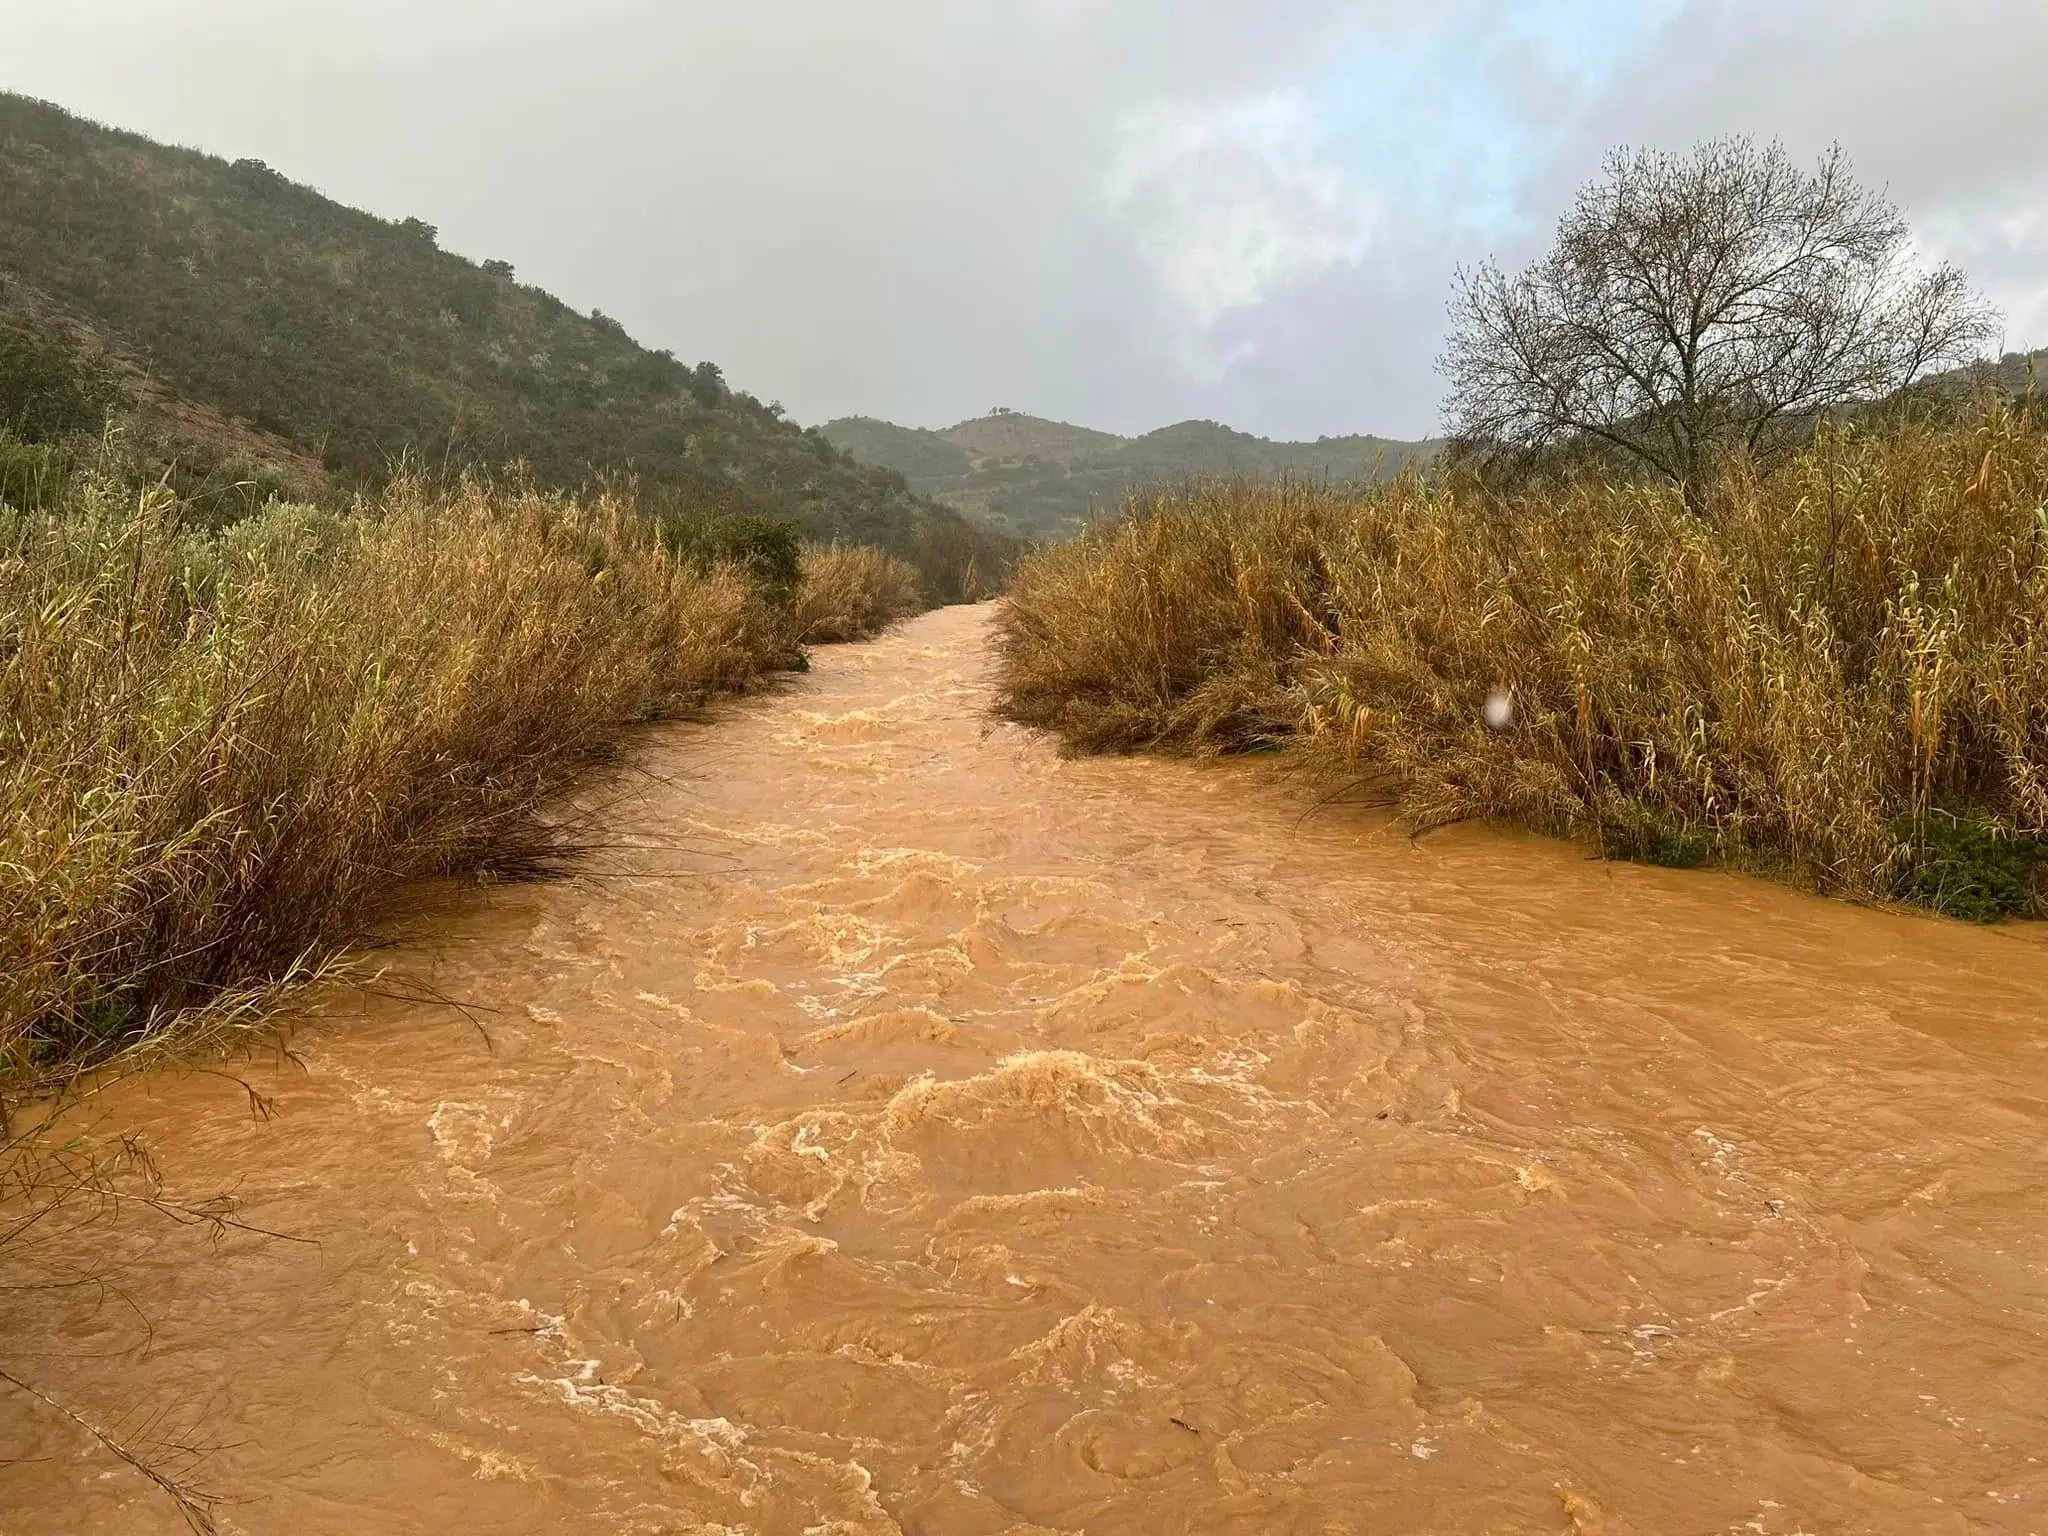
(1697, 303)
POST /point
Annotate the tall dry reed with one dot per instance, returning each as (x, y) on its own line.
(850, 592)
(1839, 671)
(218, 753)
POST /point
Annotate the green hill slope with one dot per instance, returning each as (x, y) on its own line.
(251, 314)
(1044, 479)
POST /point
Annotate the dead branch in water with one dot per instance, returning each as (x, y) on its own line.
(196, 1506)
(51, 1193)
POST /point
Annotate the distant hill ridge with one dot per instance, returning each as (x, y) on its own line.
(2015, 373)
(248, 316)
(1044, 479)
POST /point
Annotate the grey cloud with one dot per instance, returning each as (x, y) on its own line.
(1945, 105)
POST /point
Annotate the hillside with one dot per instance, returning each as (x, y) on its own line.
(1014, 435)
(1043, 479)
(2014, 374)
(249, 316)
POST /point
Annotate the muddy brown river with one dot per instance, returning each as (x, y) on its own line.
(915, 1132)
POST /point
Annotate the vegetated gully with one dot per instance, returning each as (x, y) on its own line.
(925, 1133)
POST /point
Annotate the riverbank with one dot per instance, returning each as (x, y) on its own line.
(221, 751)
(1839, 673)
(918, 1130)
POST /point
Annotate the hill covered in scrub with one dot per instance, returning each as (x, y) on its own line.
(250, 319)
(1045, 479)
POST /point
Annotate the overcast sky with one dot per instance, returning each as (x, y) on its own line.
(1119, 212)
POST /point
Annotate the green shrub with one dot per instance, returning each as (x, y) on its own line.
(769, 550)
(34, 476)
(226, 491)
(48, 392)
(1971, 866)
(1631, 829)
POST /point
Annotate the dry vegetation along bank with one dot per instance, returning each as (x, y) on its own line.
(851, 592)
(221, 750)
(1837, 670)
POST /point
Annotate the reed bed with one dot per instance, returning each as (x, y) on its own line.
(220, 751)
(850, 592)
(1836, 671)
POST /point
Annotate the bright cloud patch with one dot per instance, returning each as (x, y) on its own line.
(2005, 251)
(1447, 119)
(1232, 206)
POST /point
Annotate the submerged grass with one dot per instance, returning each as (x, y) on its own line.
(1838, 673)
(220, 751)
(850, 592)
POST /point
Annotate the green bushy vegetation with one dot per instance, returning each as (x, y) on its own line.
(1835, 669)
(770, 553)
(48, 392)
(54, 408)
(358, 341)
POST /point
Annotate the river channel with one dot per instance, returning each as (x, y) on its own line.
(900, 1128)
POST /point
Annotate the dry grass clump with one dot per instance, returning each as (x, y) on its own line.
(1173, 628)
(850, 592)
(219, 752)
(1838, 670)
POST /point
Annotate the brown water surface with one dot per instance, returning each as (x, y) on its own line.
(930, 1135)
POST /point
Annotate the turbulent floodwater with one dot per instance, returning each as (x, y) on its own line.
(929, 1135)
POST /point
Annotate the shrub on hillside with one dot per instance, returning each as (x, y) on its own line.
(769, 551)
(49, 392)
